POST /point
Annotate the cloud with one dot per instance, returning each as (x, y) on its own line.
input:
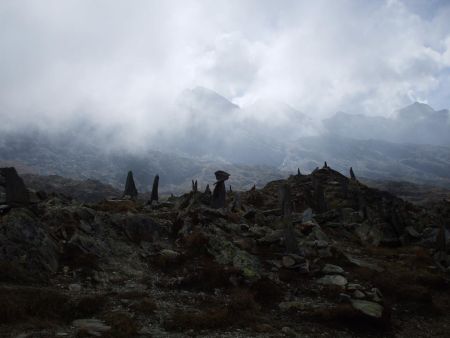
(124, 63)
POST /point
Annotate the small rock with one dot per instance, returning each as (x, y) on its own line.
(412, 232)
(333, 280)
(91, 326)
(369, 308)
(344, 298)
(75, 287)
(330, 269)
(294, 305)
(288, 331)
(288, 261)
(353, 286)
(169, 254)
(358, 294)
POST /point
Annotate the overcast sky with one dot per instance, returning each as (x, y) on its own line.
(113, 60)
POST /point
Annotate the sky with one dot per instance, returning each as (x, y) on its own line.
(126, 62)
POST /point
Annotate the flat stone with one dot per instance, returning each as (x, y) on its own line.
(369, 308)
(75, 287)
(170, 254)
(288, 261)
(330, 269)
(91, 325)
(294, 305)
(358, 294)
(363, 264)
(333, 280)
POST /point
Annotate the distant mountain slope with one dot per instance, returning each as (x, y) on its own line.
(44, 155)
(417, 123)
(372, 159)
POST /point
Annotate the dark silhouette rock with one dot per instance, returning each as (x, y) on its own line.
(325, 165)
(194, 186)
(221, 175)
(154, 196)
(207, 190)
(16, 191)
(352, 174)
(298, 172)
(219, 194)
(130, 187)
(231, 190)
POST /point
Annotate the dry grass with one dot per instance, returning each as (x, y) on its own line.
(145, 306)
(122, 325)
(267, 292)
(242, 310)
(118, 206)
(26, 303)
(344, 315)
(207, 275)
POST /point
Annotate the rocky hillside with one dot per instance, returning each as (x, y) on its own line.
(317, 255)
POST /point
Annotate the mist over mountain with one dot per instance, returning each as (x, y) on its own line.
(417, 123)
(268, 138)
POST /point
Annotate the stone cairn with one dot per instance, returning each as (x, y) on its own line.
(219, 192)
(130, 187)
(16, 191)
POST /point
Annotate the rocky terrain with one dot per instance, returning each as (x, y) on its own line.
(318, 255)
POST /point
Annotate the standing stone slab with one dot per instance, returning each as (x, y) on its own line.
(130, 187)
(154, 196)
(16, 191)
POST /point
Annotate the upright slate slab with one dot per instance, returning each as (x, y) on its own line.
(154, 196)
(130, 187)
(16, 191)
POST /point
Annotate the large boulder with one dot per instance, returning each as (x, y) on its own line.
(27, 246)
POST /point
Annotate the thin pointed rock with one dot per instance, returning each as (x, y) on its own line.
(352, 174)
(154, 196)
(130, 187)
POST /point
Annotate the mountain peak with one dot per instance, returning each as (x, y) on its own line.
(201, 98)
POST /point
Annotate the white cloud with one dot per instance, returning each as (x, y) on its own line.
(124, 62)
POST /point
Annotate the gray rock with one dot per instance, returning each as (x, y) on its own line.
(330, 269)
(337, 280)
(368, 308)
(288, 261)
(307, 215)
